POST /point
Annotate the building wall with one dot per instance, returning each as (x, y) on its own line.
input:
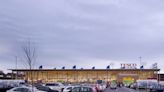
(86, 76)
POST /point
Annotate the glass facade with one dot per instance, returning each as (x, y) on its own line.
(87, 75)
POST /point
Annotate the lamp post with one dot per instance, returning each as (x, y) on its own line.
(16, 67)
(140, 59)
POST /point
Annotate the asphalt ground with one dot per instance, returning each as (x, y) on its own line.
(123, 89)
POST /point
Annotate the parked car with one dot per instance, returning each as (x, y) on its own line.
(24, 89)
(84, 89)
(68, 88)
(133, 85)
(113, 86)
(95, 87)
(55, 86)
(156, 88)
(146, 84)
(45, 88)
(11, 83)
(101, 87)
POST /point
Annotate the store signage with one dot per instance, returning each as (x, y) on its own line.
(129, 66)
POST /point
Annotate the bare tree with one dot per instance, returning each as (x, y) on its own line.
(29, 51)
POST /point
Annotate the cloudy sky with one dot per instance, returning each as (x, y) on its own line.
(85, 33)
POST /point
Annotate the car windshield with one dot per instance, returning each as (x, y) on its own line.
(43, 88)
(52, 84)
(99, 81)
(113, 83)
(76, 89)
(86, 89)
(69, 88)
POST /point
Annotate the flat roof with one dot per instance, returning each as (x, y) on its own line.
(85, 69)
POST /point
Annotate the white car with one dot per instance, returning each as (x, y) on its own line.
(55, 86)
(24, 89)
(101, 87)
(113, 86)
(68, 88)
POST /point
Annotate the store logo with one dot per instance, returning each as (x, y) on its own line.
(129, 66)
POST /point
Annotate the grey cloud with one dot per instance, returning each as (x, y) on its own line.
(71, 32)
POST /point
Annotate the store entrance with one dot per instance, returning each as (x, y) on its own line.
(127, 79)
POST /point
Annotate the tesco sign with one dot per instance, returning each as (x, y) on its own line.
(129, 66)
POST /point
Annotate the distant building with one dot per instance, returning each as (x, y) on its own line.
(87, 75)
(10, 75)
(161, 77)
(2, 75)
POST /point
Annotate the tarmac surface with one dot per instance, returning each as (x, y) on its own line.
(123, 89)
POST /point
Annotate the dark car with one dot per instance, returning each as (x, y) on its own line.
(44, 88)
(157, 88)
(83, 89)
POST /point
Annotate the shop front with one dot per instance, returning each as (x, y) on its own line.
(126, 76)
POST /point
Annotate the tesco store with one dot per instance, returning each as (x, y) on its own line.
(128, 73)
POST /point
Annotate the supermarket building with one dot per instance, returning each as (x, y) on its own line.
(86, 75)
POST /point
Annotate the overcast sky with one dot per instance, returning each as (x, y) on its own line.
(85, 33)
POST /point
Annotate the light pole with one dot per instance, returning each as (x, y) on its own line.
(16, 67)
(140, 59)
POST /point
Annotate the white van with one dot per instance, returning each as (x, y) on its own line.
(11, 83)
(143, 84)
(55, 86)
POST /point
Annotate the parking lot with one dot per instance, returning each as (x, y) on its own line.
(100, 86)
(123, 89)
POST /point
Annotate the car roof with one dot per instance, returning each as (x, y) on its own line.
(25, 87)
(84, 86)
